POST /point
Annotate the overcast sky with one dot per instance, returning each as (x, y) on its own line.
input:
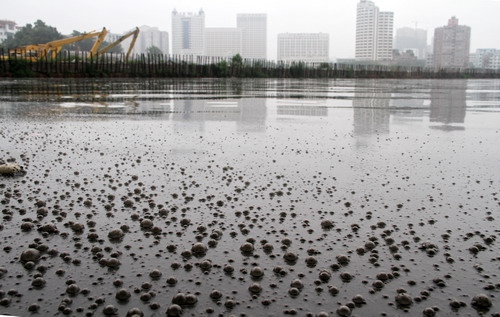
(336, 17)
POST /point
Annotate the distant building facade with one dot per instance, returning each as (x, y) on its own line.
(223, 42)
(188, 33)
(254, 33)
(307, 47)
(374, 32)
(487, 58)
(494, 62)
(385, 36)
(7, 28)
(472, 59)
(451, 45)
(149, 37)
(410, 39)
(429, 61)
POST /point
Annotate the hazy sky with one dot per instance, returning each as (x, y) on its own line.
(336, 17)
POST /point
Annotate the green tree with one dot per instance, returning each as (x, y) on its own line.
(154, 50)
(297, 70)
(236, 61)
(221, 69)
(236, 65)
(38, 33)
(325, 65)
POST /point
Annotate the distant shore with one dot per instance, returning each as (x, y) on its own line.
(152, 66)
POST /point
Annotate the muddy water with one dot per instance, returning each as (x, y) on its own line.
(400, 177)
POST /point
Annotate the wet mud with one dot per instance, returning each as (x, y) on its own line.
(250, 198)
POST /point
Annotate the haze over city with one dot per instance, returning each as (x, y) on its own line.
(337, 18)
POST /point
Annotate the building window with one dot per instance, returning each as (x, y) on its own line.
(186, 34)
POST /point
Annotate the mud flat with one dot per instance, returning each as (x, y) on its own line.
(250, 198)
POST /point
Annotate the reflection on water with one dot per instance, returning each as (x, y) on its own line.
(371, 109)
(407, 110)
(249, 114)
(448, 103)
(302, 108)
(375, 104)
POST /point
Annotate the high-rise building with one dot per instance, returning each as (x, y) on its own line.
(307, 47)
(7, 28)
(374, 32)
(385, 31)
(410, 39)
(223, 42)
(254, 33)
(188, 33)
(451, 45)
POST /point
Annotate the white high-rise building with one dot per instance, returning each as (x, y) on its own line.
(385, 27)
(223, 42)
(188, 33)
(254, 33)
(374, 32)
(306, 47)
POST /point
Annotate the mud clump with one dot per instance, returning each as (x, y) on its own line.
(10, 169)
(481, 301)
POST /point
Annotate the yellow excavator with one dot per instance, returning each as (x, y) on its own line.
(51, 49)
(134, 33)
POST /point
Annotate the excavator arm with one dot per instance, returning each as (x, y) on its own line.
(98, 42)
(135, 33)
(54, 47)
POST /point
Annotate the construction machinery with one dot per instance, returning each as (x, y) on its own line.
(134, 33)
(51, 49)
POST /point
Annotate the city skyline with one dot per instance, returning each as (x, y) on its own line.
(311, 17)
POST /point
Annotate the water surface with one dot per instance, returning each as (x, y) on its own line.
(228, 161)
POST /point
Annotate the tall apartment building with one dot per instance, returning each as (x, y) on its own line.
(254, 32)
(385, 36)
(307, 47)
(188, 33)
(412, 39)
(7, 28)
(451, 45)
(374, 32)
(223, 42)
